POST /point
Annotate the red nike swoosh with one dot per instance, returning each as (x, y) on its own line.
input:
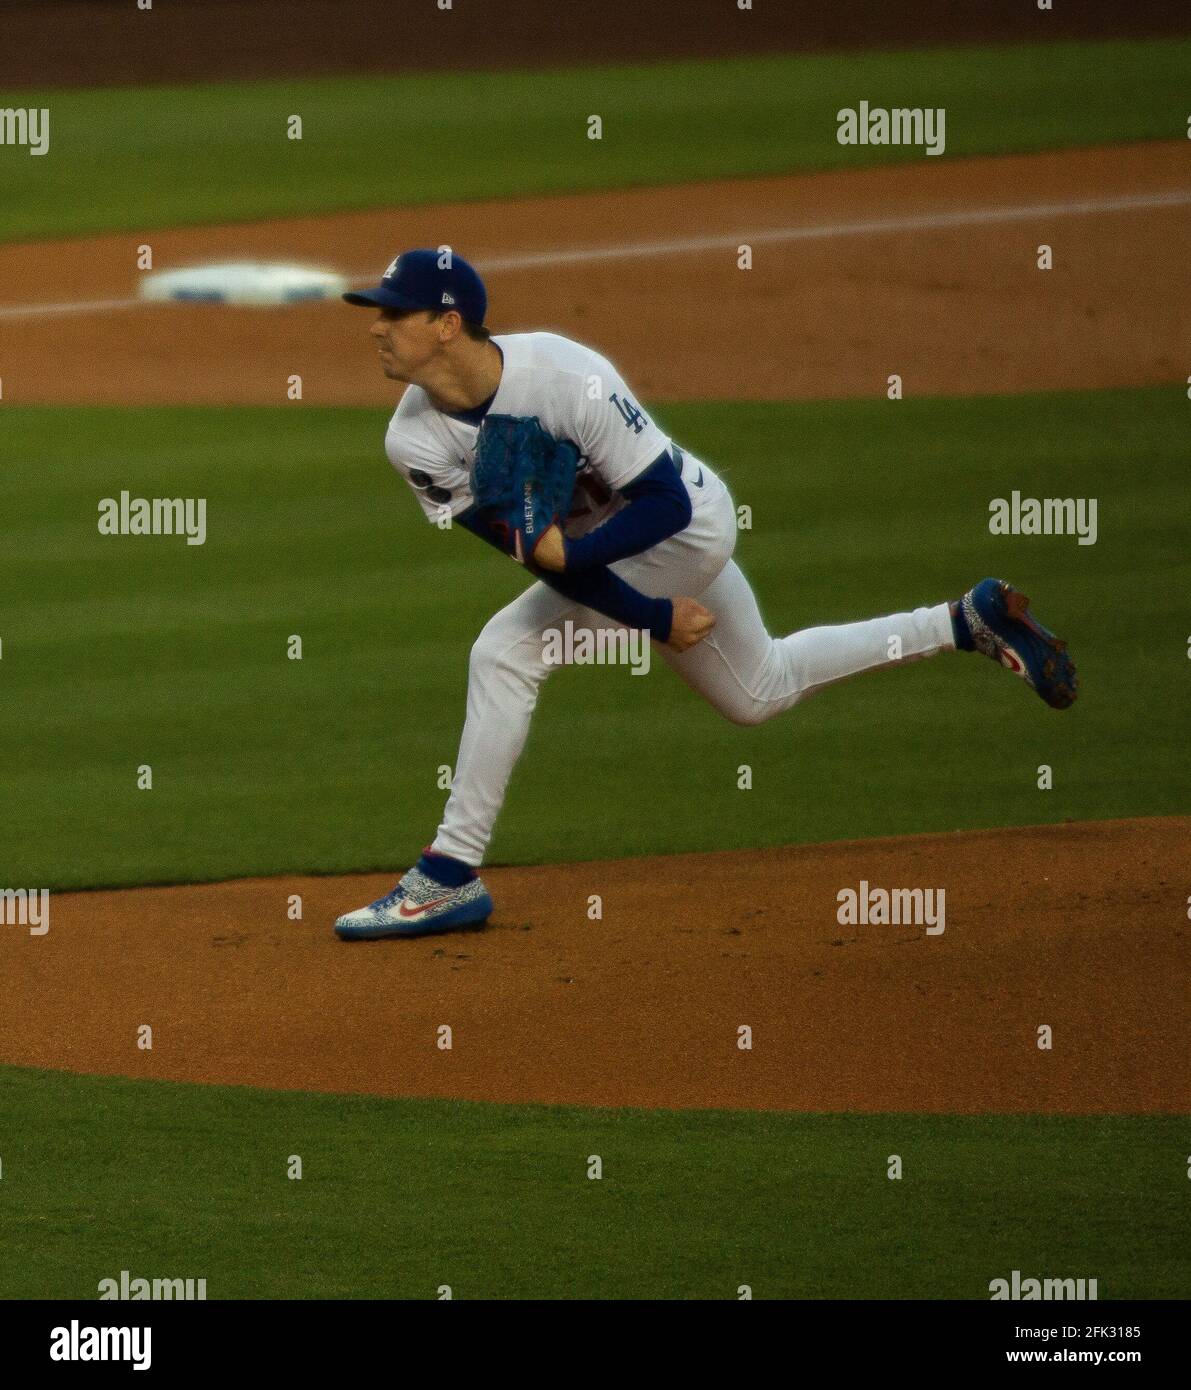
(408, 912)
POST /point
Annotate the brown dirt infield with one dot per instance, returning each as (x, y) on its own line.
(953, 310)
(1082, 927)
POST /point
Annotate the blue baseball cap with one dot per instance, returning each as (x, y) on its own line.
(428, 280)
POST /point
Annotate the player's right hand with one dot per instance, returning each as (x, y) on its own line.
(690, 624)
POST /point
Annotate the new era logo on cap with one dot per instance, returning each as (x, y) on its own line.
(447, 298)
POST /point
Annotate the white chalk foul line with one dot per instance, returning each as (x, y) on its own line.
(693, 245)
(81, 306)
(829, 231)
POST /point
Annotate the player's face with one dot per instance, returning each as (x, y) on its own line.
(406, 340)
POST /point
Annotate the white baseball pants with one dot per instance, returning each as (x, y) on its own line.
(739, 668)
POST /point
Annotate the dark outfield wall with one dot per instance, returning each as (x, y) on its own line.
(111, 41)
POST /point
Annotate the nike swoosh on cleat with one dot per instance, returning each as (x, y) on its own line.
(407, 913)
(699, 479)
(1012, 662)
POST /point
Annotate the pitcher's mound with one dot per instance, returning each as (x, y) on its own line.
(1058, 982)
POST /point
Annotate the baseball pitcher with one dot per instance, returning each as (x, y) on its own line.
(538, 446)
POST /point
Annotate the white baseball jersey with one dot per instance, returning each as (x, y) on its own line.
(576, 394)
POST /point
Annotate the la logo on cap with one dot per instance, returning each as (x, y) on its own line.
(392, 270)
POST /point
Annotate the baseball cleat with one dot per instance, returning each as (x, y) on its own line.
(995, 619)
(418, 906)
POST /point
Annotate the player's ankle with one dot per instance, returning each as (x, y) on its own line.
(960, 630)
(442, 868)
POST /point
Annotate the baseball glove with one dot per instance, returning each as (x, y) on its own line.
(522, 480)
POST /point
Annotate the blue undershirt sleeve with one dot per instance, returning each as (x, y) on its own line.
(598, 588)
(607, 593)
(659, 506)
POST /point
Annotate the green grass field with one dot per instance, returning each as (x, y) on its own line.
(136, 158)
(123, 651)
(398, 1198)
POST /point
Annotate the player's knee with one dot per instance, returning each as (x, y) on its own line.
(494, 655)
(745, 711)
(486, 652)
